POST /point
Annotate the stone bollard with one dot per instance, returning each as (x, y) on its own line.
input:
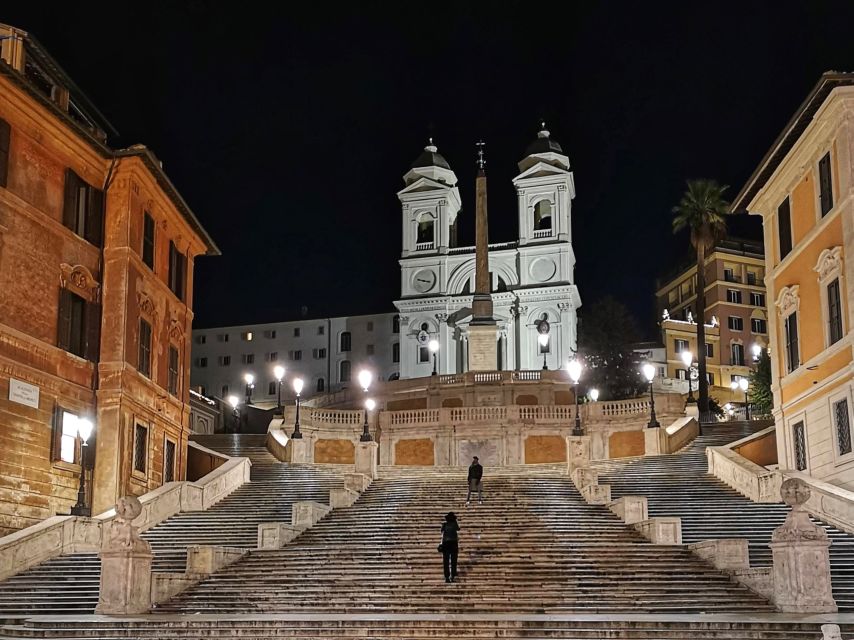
(577, 452)
(366, 459)
(801, 558)
(583, 476)
(300, 450)
(830, 632)
(125, 564)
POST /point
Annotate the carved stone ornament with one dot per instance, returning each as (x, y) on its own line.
(829, 263)
(788, 300)
(564, 306)
(176, 329)
(442, 317)
(121, 534)
(798, 526)
(79, 280)
(146, 304)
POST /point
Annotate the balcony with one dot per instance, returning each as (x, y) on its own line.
(423, 246)
(543, 233)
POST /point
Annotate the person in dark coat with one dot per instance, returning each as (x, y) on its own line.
(474, 480)
(450, 546)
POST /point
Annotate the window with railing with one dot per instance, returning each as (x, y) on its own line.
(834, 312)
(800, 442)
(842, 423)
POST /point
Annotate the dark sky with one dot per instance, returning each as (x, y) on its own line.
(288, 129)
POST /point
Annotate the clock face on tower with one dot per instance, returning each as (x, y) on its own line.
(424, 280)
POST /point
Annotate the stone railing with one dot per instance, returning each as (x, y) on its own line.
(748, 478)
(62, 535)
(670, 439)
(413, 416)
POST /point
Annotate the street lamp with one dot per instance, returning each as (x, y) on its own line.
(649, 374)
(365, 379)
(235, 414)
(250, 384)
(84, 431)
(687, 360)
(279, 372)
(543, 339)
(574, 369)
(369, 406)
(297, 435)
(743, 384)
(594, 394)
(757, 351)
(433, 345)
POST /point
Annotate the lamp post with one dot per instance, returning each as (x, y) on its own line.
(84, 431)
(365, 379)
(742, 384)
(543, 339)
(297, 435)
(433, 345)
(279, 372)
(369, 406)
(249, 379)
(649, 374)
(687, 360)
(574, 369)
(235, 414)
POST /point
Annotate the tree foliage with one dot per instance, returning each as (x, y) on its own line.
(761, 396)
(606, 333)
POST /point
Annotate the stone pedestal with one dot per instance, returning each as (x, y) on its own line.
(597, 494)
(583, 476)
(300, 450)
(692, 410)
(801, 559)
(275, 535)
(577, 452)
(366, 459)
(661, 530)
(483, 347)
(307, 513)
(630, 509)
(339, 498)
(125, 564)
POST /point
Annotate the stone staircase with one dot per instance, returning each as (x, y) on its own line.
(534, 547)
(679, 485)
(69, 584)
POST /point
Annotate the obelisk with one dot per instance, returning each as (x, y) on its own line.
(483, 331)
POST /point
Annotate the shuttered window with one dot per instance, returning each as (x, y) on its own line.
(140, 448)
(148, 240)
(78, 325)
(800, 442)
(144, 364)
(825, 184)
(834, 312)
(83, 208)
(791, 328)
(5, 139)
(843, 426)
(169, 462)
(173, 371)
(784, 228)
(177, 271)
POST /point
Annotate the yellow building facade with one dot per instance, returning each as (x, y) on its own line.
(803, 191)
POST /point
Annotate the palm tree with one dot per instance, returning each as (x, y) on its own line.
(702, 211)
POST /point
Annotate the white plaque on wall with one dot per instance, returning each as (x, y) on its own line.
(23, 393)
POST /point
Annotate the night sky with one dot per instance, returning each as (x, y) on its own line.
(288, 129)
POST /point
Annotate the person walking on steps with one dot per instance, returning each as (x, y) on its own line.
(475, 481)
(450, 546)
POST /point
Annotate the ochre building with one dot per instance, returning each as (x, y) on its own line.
(803, 191)
(96, 260)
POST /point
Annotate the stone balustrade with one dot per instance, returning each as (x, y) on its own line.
(62, 535)
(202, 561)
(827, 502)
(748, 478)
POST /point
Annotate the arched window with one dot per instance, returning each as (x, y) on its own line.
(344, 371)
(395, 324)
(425, 230)
(542, 215)
(321, 385)
(425, 326)
(346, 341)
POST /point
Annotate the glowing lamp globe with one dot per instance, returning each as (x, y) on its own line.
(648, 372)
(594, 394)
(370, 404)
(298, 385)
(574, 369)
(233, 401)
(687, 358)
(279, 372)
(433, 345)
(84, 429)
(365, 379)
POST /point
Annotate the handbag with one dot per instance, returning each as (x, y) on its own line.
(441, 547)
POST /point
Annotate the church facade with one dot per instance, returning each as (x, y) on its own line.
(532, 277)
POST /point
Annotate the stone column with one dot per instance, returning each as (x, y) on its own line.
(125, 564)
(366, 459)
(801, 559)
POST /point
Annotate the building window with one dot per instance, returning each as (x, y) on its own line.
(729, 276)
(173, 371)
(270, 334)
(681, 345)
(424, 235)
(177, 271)
(273, 356)
(757, 299)
(800, 441)
(78, 325)
(169, 462)
(751, 277)
(825, 184)
(395, 352)
(710, 377)
(834, 312)
(83, 208)
(148, 240)
(542, 215)
(65, 436)
(395, 324)
(369, 349)
(791, 328)
(5, 140)
(144, 360)
(224, 361)
(423, 354)
(248, 358)
(682, 374)
(247, 336)
(710, 350)
(224, 391)
(737, 353)
(733, 295)
(784, 228)
(222, 337)
(370, 325)
(271, 388)
(296, 355)
(344, 371)
(296, 332)
(318, 354)
(345, 341)
(140, 448)
(321, 385)
(201, 363)
(735, 323)
(758, 325)
(321, 330)
(201, 339)
(843, 426)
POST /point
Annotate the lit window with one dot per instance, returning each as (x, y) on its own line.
(68, 438)
(247, 335)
